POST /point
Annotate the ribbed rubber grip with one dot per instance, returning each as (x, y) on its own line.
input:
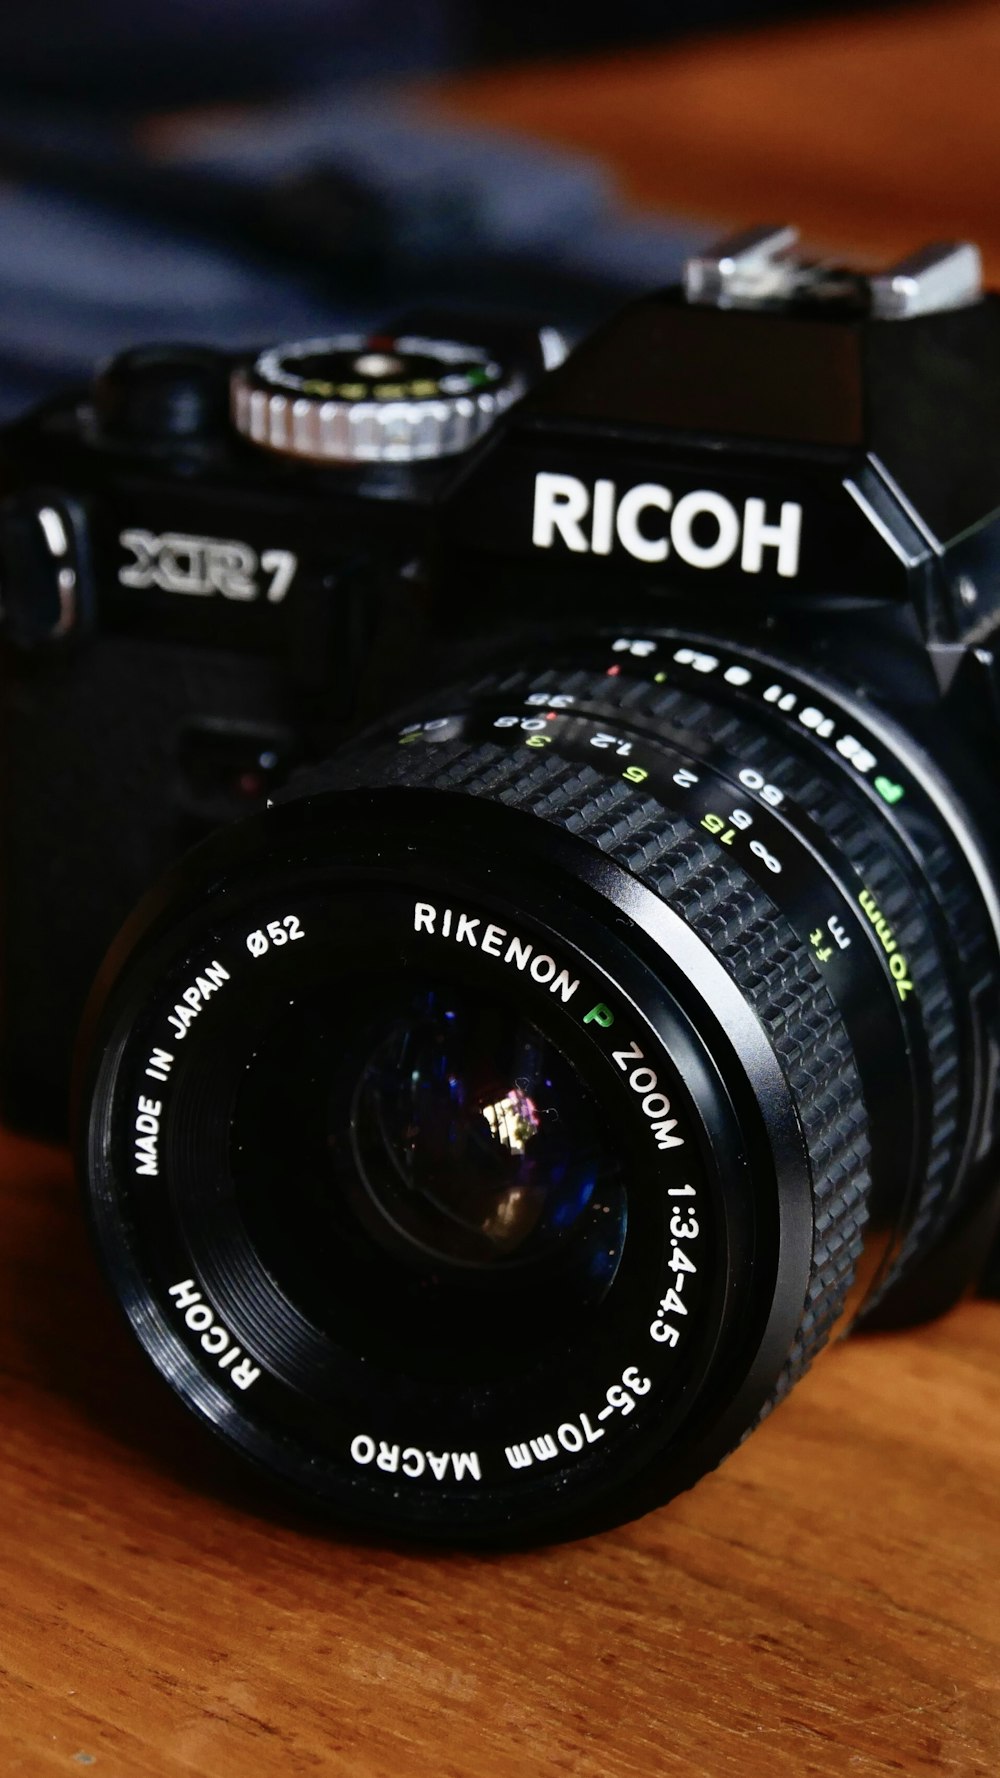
(929, 909)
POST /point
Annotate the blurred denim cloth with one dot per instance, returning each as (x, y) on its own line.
(131, 55)
(473, 215)
(134, 54)
(516, 193)
(83, 282)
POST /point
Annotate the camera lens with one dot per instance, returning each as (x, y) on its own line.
(483, 1139)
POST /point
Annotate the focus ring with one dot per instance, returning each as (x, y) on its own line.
(905, 897)
(753, 941)
(927, 906)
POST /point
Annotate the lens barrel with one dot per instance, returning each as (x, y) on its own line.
(485, 1138)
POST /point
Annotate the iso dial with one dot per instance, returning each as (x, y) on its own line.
(371, 398)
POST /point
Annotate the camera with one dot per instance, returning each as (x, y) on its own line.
(597, 1009)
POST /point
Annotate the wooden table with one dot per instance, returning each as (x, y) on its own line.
(829, 1602)
(871, 133)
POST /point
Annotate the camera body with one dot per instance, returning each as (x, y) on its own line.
(186, 618)
(215, 573)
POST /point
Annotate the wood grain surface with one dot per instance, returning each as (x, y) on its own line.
(829, 1602)
(871, 133)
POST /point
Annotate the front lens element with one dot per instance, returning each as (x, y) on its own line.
(475, 1140)
(403, 1149)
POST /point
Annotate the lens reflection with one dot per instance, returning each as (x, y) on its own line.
(474, 1136)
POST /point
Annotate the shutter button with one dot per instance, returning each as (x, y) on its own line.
(163, 395)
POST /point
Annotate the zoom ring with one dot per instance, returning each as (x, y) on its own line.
(905, 899)
(754, 943)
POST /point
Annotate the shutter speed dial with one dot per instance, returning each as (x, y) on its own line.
(371, 398)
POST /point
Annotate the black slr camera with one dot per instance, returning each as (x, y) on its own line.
(600, 1008)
